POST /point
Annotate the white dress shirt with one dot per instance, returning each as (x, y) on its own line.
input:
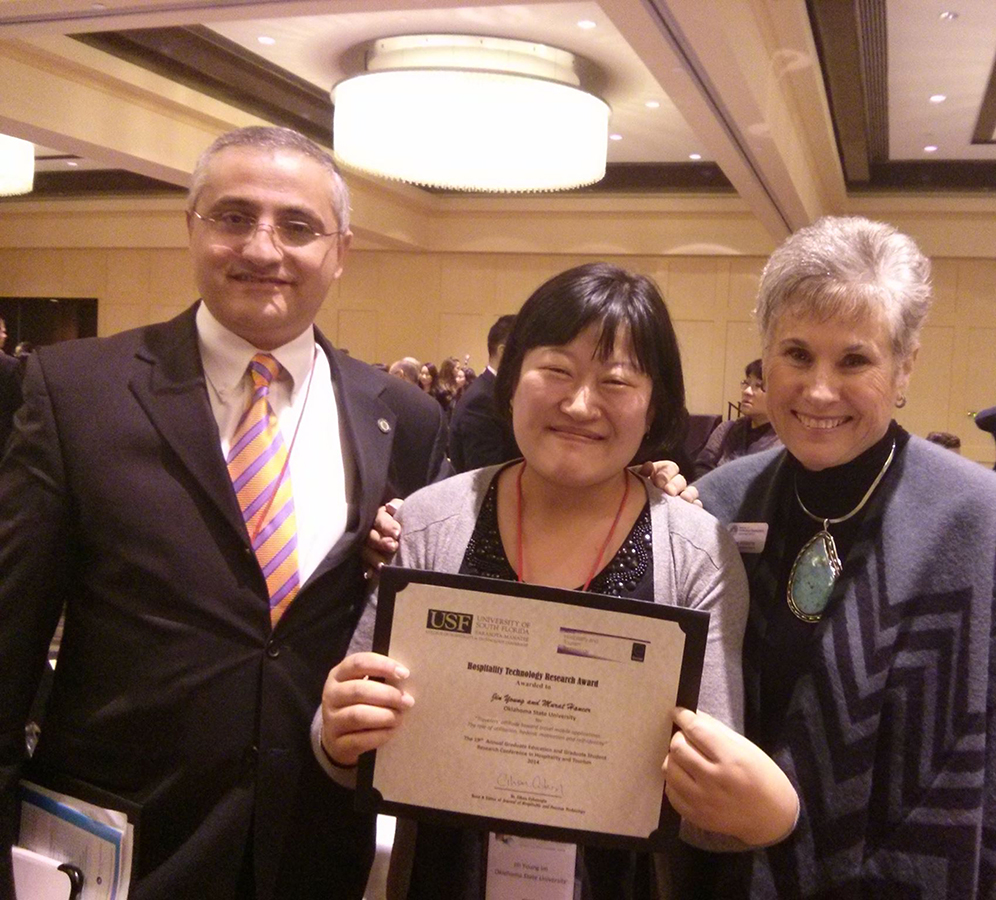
(321, 466)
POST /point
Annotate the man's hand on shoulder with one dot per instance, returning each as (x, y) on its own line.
(665, 475)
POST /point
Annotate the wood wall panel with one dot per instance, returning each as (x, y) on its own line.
(356, 331)
(929, 397)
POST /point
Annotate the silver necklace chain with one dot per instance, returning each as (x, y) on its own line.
(878, 478)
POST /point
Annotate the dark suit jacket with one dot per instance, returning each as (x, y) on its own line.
(478, 436)
(10, 394)
(171, 689)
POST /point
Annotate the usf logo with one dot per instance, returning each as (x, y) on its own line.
(444, 620)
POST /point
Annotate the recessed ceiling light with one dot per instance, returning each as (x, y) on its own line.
(930, 148)
(938, 98)
(267, 40)
(71, 162)
(615, 137)
(652, 104)
(948, 16)
(695, 156)
(586, 24)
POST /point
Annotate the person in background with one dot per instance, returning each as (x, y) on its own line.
(198, 492)
(407, 368)
(428, 376)
(986, 420)
(751, 433)
(10, 395)
(465, 376)
(479, 436)
(869, 653)
(945, 439)
(591, 379)
(446, 383)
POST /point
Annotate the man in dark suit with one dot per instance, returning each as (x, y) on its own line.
(478, 435)
(183, 684)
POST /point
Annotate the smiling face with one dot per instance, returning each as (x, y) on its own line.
(832, 386)
(259, 289)
(579, 420)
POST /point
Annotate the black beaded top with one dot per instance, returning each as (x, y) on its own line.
(630, 573)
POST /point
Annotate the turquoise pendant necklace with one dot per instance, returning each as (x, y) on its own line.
(817, 567)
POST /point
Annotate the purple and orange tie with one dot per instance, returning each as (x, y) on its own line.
(257, 465)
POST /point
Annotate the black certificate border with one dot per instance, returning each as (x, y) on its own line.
(694, 623)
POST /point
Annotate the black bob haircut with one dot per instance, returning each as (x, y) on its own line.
(615, 300)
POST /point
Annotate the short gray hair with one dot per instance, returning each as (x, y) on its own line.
(271, 139)
(846, 266)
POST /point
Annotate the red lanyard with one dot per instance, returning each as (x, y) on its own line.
(520, 562)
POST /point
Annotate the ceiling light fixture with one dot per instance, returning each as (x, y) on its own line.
(938, 98)
(17, 166)
(586, 24)
(652, 104)
(948, 16)
(695, 157)
(266, 40)
(471, 113)
(72, 162)
(615, 137)
(930, 148)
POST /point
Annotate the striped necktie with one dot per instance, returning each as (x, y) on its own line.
(257, 465)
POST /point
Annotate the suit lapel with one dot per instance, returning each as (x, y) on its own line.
(169, 383)
(367, 426)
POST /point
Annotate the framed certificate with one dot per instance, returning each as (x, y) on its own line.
(538, 712)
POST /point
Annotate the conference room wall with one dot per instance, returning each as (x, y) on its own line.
(391, 303)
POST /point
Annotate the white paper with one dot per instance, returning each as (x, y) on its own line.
(37, 877)
(99, 841)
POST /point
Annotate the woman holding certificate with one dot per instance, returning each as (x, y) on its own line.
(591, 380)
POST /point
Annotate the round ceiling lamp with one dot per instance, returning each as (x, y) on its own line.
(471, 113)
(17, 166)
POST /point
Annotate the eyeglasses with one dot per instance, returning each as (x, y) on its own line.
(753, 385)
(241, 228)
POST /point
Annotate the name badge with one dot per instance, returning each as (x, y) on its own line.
(749, 536)
(528, 869)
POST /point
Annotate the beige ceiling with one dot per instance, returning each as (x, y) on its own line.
(317, 49)
(738, 81)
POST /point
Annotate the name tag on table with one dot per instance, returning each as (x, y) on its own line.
(749, 536)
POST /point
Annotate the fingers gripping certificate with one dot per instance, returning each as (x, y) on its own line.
(538, 711)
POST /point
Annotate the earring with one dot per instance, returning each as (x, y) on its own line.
(901, 402)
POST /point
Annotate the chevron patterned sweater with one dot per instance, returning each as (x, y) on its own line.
(890, 732)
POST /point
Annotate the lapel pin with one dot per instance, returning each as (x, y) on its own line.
(384, 425)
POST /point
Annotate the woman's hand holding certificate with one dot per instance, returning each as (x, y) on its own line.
(722, 782)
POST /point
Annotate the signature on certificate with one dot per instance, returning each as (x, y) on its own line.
(537, 784)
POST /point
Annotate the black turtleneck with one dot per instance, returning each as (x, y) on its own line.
(829, 493)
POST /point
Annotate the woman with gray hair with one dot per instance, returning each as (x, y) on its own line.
(868, 659)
